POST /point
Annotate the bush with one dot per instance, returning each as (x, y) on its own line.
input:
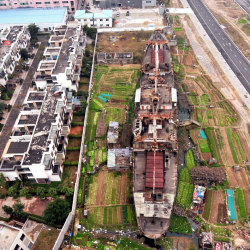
(40, 191)
(14, 190)
(7, 209)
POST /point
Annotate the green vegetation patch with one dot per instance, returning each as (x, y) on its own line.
(240, 203)
(241, 20)
(203, 144)
(230, 141)
(179, 224)
(189, 159)
(208, 204)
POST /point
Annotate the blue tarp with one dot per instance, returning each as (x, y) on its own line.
(202, 133)
(106, 95)
(102, 98)
(230, 204)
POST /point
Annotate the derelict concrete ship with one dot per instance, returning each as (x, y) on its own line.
(155, 139)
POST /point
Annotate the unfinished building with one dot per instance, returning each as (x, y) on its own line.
(155, 139)
(115, 57)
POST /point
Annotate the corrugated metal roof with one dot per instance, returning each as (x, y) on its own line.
(174, 94)
(230, 204)
(138, 95)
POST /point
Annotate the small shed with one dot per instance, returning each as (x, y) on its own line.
(230, 205)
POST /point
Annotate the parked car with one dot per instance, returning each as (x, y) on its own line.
(118, 14)
(127, 13)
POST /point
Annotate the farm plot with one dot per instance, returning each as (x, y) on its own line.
(239, 178)
(113, 89)
(235, 146)
(108, 188)
(219, 212)
(240, 203)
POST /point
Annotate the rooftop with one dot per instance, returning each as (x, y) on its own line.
(47, 116)
(36, 96)
(32, 15)
(32, 229)
(7, 235)
(104, 14)
(18, 147)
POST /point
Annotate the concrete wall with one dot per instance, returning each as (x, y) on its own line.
(71, 215)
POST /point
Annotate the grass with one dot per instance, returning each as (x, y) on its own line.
(46, 239)
(236, 138)
(241, 20)
(240, 203)
(230, 141)
(180, 225)
(208, 204)
(221, 231)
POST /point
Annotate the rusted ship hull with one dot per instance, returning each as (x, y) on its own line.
(155, 139)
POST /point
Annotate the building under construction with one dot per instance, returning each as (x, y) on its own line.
(155, 139)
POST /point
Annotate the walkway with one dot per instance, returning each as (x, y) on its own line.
(4, 137)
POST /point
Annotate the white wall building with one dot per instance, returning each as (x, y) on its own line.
(36, 148)
(12, 39)
(97, 20)
(62, 59)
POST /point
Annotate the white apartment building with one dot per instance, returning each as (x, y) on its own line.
(12, 39)
(36, 148)
(62, 60)
(97, 20)
(19, 236)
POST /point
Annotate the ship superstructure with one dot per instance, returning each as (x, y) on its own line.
(155, 139)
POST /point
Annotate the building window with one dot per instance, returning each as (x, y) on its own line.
(56, 2)
(85, 20)
(22, 237)
(107, 20)
(65, 1)
(2, 4)
(30, 174)
(47, 2)
(107, 25)
(38, 2)
(101, 19)
(148, 1)
(16, 247)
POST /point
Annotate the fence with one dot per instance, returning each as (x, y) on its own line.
(71, 215)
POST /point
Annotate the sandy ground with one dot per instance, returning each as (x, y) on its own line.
(34, 205)
(218, 212)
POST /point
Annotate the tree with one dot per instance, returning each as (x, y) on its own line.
(18, 210)
(40, 191)
(24, 54)
(56, 212)
(8, 209)
(14, 190)
(33, 30)
(52, 192)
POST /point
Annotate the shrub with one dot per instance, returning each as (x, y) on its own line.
(40, 191)
(179, 224)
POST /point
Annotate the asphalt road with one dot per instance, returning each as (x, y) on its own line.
(245, 5)
(230, 52)
(4, 137)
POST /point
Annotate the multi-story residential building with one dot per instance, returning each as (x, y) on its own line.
(36, 148)
(62, 59)
(71, 5)
(12, 39)
(97, 20)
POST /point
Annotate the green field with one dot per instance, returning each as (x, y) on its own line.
(240, 203)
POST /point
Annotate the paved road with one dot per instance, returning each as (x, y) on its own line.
(230, 52)
(4, 137)
(245, 5)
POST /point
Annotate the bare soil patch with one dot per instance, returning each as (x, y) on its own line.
(72, 156)
(76, 130)
(119, 215)
(226, 151)
(100, 189)
(101, 125)
(238, 178)
(78, 118)
(218, 213)
(37, 207)
(123, 197)
(74, 142)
